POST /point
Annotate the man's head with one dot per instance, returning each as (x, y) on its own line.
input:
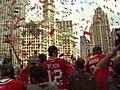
(37, 74)
(80, 64)
(97, 50)
(42, 57)
(33, 61)
(7, 70)
(53, 51)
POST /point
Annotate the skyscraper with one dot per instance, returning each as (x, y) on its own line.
(68, 39)
(100, 30)
(9, 15)
(53, 32)
(47, 34)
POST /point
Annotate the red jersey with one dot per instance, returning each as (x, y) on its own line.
(58, 69)
(10, 84)
(24, 76)
(71, 69)
(103, 78)
(91, 64)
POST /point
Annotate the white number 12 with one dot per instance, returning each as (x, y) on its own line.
(56, 78)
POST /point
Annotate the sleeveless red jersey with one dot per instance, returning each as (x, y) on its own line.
(58, 71)
(92, 62)
(10, 84)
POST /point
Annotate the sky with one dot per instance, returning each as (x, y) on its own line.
(79, 11)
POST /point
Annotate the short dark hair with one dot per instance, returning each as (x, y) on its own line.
(42, 57)
(51, 50)
(7, 70)
(79, 64)
(38, 73)
(96, 50)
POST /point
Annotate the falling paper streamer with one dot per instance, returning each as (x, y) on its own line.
(29, 43)
(82, 9)
(23, 53)
(63, 2)
(118, 13)
(51, 32)
(41, 1)
(73, 2)
(20, 19)
(13, 2)
(87, 21)
(14, 39)
(83, 19)
(17, 23)
(86, 27)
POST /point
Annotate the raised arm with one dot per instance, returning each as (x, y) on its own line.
(103, 63)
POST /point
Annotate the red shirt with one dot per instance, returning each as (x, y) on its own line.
(101, 77)
(91, 64)
(24, 76)
(58, 69)
(9, 84)
(71, 69)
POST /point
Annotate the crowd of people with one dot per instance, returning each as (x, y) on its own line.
(100, 72)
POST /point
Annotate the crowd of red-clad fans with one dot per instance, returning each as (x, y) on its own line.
(100, 72)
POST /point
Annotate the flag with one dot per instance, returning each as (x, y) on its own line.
(84, 40)
(87, 33)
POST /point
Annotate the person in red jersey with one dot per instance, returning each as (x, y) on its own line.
(57, 68)
(24, 73)
(90, 66)
(6, 81)
(71, 68)
(103, 77)
(24, 76)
